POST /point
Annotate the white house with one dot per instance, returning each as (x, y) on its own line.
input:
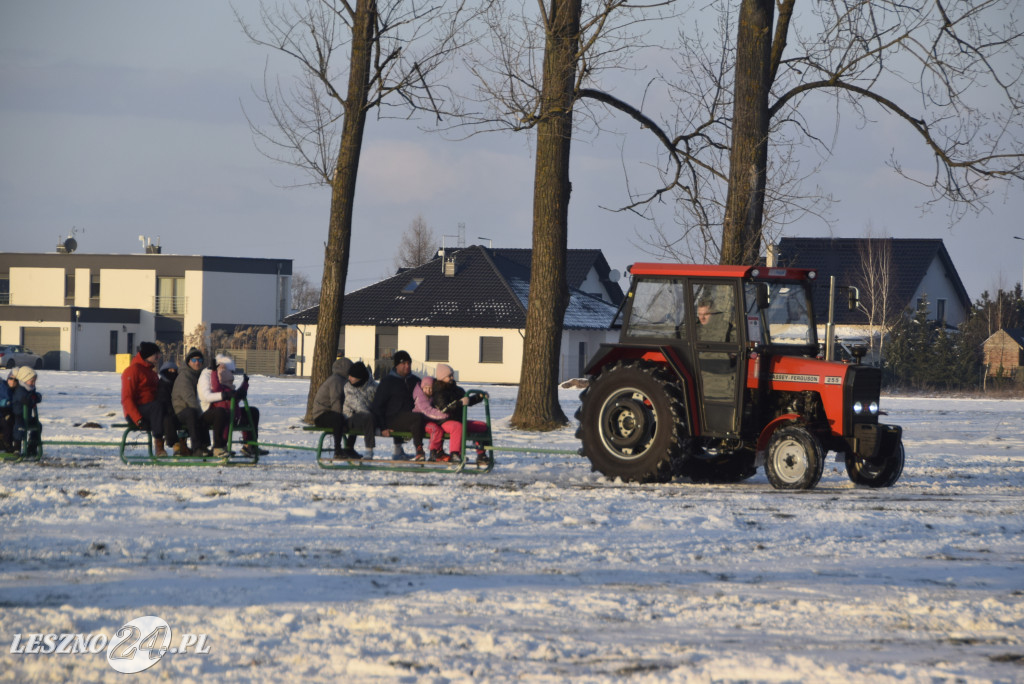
(468, 309)
(80, 310)
(906, 271)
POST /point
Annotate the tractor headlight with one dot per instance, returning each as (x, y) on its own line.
(858, 407)
(873, 408)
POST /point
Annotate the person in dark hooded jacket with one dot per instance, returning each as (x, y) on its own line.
(165, 384)
(328, 404)
(185, 402)
(393, 404)
(25, 396)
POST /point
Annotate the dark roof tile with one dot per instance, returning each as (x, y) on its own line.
(841, 257)
(490, 289)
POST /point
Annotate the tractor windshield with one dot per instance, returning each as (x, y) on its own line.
(785, 318)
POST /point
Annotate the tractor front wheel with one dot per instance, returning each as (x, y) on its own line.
(795, 459)
(881, 472)
(631, 423)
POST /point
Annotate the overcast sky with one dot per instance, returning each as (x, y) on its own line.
(124, 118)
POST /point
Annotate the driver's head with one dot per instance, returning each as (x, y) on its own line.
(705, 308)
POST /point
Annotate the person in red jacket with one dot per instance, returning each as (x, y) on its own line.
(139, 397)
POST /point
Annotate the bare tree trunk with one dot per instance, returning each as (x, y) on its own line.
(343, 191)
(748, 159)
(537, 406)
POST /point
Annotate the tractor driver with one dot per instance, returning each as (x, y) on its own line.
(713, 325)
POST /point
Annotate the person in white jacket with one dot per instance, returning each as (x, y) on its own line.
(214, 401)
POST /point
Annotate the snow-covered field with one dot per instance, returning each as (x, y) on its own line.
(540, 570)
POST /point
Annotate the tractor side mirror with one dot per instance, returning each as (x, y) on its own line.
(853, 297)
(762, 295)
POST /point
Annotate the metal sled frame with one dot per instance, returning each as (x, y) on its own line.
(464, 465)
(131, 456)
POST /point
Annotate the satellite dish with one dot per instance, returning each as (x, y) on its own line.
(70, 245)
(614, 275)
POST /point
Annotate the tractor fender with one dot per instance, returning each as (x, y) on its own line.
(608, 354)
(770, 428)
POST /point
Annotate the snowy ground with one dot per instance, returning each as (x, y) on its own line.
(539, 570)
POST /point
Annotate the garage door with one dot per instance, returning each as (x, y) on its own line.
(46, 343)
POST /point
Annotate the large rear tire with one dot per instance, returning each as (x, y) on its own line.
(795, 459)
(631, 422)
(882, 473)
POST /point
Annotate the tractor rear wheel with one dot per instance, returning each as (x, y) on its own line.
(631, 422)
(879, 473)
(795, 459)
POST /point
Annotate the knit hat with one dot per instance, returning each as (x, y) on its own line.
(225, 360)
(25, 375)
(359, 371)
(443, 370)
(427, 382)
(147, 349)
(401, 357)
(341, 366)
(193, 353)
(168, 365)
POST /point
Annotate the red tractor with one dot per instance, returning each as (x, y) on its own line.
(717, 372)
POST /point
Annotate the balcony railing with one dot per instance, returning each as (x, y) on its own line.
(170, 306)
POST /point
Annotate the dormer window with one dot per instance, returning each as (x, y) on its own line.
(411, 287)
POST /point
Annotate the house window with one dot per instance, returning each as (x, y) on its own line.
(131, 343)
(386, 342)
(94, 290)
(413, 284)
(940, 310)
(170, 296)
(582, 360)
(69, 288)
(113, 342)
(282, 302)
(490, 349)
(437, 347)
(5, 288)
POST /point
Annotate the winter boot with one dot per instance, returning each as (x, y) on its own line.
(181, 449)
(158, 448)
(420, 455)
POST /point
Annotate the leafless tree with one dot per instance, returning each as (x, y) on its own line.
(781, 75)
(535, 71)
(304, 293)
(875, 280)
(354, 56)
(418, 245)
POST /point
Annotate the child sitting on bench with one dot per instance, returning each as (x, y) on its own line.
(450, 398)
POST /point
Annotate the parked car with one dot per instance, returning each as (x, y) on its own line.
(12, 355)
(289, 365)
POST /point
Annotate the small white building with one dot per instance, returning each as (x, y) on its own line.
(80, 310)
(468, 309)
(905, 271)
